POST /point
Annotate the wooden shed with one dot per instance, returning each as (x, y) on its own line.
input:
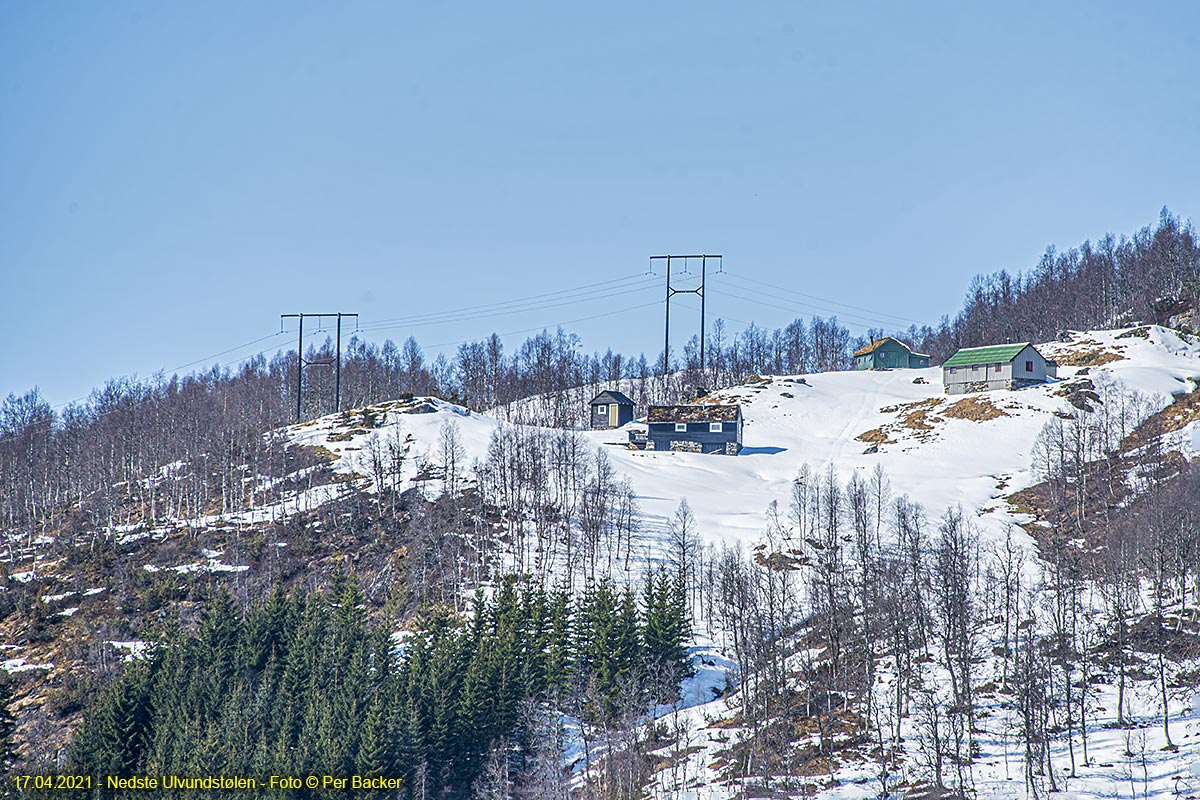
(699, 428)
(610, 409)
(889, 353)
(1002, 366)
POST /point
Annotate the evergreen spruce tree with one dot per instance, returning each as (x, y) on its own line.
(8, 726)
(410, 746)
(443, 746)
(596, 642)
(627, 648)
(536, 641)
(114, 737)
(375, 758)
(680, 629)
(560, 651)
(665, 633)
(506, 650)
(476, 711)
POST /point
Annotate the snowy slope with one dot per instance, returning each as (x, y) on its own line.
(814, 420)
(971, 450)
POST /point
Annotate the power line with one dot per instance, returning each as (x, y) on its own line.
(741, 278)
(556, 324)
(806, 309)
(508, 312)
(643, 282)
(224, 352)
(719, 316)
(516, 301)
(600, 290)
(511, 308)
(238, 360)
(61, 406)
(798, 310)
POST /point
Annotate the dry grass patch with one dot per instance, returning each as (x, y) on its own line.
(875, 436)
(918, 416)
(1088, 353)
(322, 454)
(345, 436)
(976, 409)
(1185, 410)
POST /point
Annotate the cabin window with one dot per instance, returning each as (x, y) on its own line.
(999, 366)
(1029, 366)
(601, 410)
(681, 427)
(953, 370)
(974, 368)
(715, 427)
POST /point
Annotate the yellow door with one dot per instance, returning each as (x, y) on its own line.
(612, 415)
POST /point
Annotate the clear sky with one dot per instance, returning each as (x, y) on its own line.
(173, 176)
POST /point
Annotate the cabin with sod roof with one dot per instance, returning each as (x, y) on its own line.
(1002, 366)
(610, 409)
(699, 428)
(889, 353)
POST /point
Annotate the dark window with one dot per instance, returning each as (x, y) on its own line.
(681, 427)
(1029, 366)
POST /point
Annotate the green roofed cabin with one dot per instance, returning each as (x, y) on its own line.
(888, 353)
(1001, 366)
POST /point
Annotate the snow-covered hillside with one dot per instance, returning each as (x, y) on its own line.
(942, 451)
(972, 451)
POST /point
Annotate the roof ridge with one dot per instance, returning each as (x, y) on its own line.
(984, 353)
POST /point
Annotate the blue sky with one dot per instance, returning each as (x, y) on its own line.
(173, 176)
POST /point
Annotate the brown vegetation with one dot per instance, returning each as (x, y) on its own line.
(874, 436)
(976, 409)
(1087, 353)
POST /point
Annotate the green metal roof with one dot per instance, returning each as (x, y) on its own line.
(999, 353)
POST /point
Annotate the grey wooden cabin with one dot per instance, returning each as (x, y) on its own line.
(889, 353)
(700, 428)
(610, 409)
(1003, 366)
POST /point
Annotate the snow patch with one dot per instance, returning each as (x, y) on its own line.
(19, 665)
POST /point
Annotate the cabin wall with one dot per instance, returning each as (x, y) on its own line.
(696, 439)
(1038, 373)
(987, 377)
(890, 356)
(624, 415)
(600, 420)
